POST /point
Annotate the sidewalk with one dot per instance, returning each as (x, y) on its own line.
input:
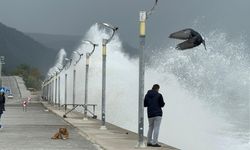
(33, 129)
(114, 138)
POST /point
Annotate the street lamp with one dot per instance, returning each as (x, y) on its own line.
(65, 90)
(76, 52)
(57, 87)
(142, 33)
(53, 99)
(51, 90)
(59, 92)
(68, 61)
(74, 77)
(1, 63)
(58, 70)
(86, 76)
(104, 53)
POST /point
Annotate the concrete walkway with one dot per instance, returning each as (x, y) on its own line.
(114, 138)
(33, 129)
(11, 82)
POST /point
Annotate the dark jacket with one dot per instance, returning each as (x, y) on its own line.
(154, 102)
(2, 103)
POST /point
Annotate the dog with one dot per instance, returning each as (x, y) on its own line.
(61, 134)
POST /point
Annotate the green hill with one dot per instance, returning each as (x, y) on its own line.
(18, 48)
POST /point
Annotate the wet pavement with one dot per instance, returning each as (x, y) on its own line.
(33, 129)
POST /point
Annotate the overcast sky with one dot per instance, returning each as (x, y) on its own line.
(74, 17)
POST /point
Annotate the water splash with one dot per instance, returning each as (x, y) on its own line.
(218, 80)
(220, 76)
(59, 63)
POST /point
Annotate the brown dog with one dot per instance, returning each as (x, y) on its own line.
(62, 134)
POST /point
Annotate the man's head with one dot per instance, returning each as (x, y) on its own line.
(156, 87)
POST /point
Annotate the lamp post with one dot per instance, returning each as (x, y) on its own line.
(59, 92)
(86, 77)
(1, 63)
(65, 90)
(88, 54)
(142, 34)
(47, 91)
(65, 66)
(104, 54)
(53, 90)
(56, 89)
(50, 91)
(74, 87)
(67, 63)
(76, 52)
(59, 86)
(74, 77)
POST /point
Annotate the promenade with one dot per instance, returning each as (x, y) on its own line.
(33, 129)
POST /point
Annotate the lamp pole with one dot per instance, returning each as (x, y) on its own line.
(65, 66)
(104, 55)
(65, 91)
(59, 91)
(86, 77)
(68, 63)
(1, 63)
(86, 87)
(141, 79)
(59, 86)
(74, 87)
(142, 34)
(50, 91)
(74, 79)
(55, 90)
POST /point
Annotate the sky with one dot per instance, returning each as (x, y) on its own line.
(74, 17)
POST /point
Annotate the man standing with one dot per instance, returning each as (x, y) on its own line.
(154, 102)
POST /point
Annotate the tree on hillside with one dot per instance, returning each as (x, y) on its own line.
(31, 76)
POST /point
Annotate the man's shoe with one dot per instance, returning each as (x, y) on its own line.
(156, 145)
(149, 144)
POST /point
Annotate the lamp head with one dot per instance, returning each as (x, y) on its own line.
(89, 42)
(76, 52)
(110, 26)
